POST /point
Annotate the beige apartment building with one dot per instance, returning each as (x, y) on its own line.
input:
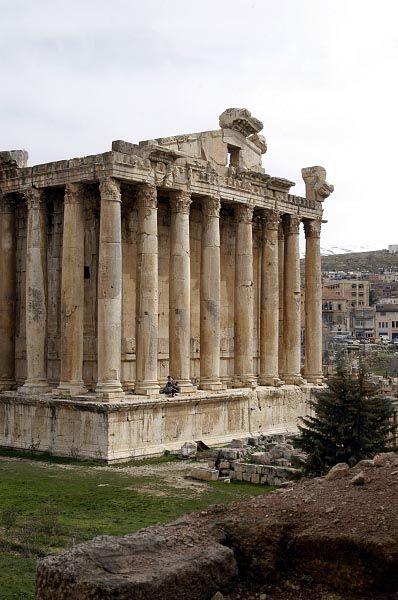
(386, 321)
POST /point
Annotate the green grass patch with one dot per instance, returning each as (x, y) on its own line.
(46, 508)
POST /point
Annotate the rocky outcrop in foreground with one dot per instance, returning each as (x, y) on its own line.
(337, 533)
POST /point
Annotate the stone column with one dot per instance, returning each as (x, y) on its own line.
(147, 293)
(313, 302)
(7, 293)
(281, 260)
(292, 302)
(180, 292)
(36, 294)
(210, 296)
(244, 290)
(109, 293)
(269, 301)
(72, 292)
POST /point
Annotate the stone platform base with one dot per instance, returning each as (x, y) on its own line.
(83, 428)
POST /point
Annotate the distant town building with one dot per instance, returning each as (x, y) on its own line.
(393, 248)
(387, 321)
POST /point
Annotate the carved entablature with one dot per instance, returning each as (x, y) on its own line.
(270, 219)
(240, 119)
(292, 224)
(316, 186)
(74, 193)
(147, 196)
(244, 213)
(34, 198)
(211, 206)
(110, 189)
(312, 228)
(180, 202)
(7, 203)
(279, 184)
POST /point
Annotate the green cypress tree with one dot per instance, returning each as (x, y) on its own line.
(351, 421)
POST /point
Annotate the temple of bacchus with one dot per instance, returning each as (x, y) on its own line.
(171, 256)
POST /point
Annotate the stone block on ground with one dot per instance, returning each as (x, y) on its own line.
(338, 471)
(189, 450)
(204, 474)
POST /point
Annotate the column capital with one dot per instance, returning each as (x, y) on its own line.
(211, 206)
(312, 228)
(34, 198)
(244, 213)
(147, 196)
(6, 203)
(180, 201)
(110, 189)
(292, 225)
(73, 193)
(270, 219)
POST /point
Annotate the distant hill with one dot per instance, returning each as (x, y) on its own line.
(375, 261)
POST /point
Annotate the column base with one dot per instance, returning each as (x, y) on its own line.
(35, 387)
(270, 381)
(111, 391)
(186, 387)
(316, 379)
(293, 379)
(7, 384)
(68, 390)
(146, 388)
(212, 385)
(244, 381)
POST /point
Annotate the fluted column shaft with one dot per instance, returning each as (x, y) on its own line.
(313, 302)
(36, 294)
(210, 296)
(109, 293)
(281, 261)
(72, 292)
(292, 302)
(7, 294)
(244, 297)
(180, 292)
(269, 301)
(147, 292)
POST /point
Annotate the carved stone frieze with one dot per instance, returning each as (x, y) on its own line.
(147, 196)
(244, 213)
(110, 189)
(180, 202)
(315, 183)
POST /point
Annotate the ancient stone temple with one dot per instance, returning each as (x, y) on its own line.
(171, 256)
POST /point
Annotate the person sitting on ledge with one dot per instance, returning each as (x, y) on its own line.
(171, 387)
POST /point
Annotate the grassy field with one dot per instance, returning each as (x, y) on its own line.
(47, 506)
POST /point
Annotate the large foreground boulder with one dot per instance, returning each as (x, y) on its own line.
(329, 531)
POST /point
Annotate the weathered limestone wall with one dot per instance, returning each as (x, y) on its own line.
(90, 429)
(227, 260)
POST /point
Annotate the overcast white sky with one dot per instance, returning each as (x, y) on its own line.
(320, 74)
